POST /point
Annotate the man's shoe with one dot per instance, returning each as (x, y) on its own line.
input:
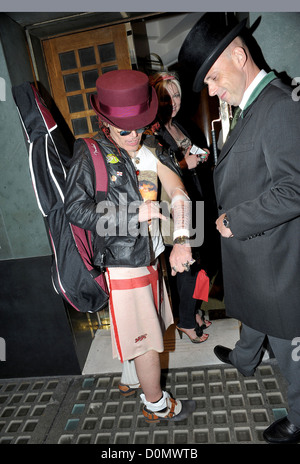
(222, 353)
(282, 431)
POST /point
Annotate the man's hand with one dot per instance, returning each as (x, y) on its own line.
(224, 231)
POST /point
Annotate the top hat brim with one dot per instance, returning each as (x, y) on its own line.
(132, 122)
(198, 83)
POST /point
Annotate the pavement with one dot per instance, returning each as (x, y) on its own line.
(88, 409)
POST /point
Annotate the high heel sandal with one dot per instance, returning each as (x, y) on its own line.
(205, 323)
(199, 333)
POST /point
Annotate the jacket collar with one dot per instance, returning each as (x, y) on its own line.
(245, 115)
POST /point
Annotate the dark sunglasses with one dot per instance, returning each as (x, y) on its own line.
(127, 132)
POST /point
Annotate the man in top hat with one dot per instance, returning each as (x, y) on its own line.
(126, 236)
(257, 184)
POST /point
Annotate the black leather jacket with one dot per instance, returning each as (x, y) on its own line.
(126, 241)
(189, 177)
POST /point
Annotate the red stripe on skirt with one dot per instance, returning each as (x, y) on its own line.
(112, 315)
(138, 282)
(127, 284)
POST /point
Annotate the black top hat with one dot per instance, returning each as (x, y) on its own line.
(204, 44)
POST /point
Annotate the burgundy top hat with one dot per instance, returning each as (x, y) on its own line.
(204, 44)
(125, 99)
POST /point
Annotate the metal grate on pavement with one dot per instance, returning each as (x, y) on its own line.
(231, 409)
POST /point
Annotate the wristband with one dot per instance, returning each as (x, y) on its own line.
(181, 211)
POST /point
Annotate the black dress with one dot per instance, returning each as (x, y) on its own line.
(183, 284)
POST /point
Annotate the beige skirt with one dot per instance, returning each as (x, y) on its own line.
(140, 311)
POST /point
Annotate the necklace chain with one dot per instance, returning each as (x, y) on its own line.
(136, 161)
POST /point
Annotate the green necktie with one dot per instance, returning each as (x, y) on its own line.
(235, 118)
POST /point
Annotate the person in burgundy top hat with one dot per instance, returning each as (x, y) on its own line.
(257, 184)
(126, 236)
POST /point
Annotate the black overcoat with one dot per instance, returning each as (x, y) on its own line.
(257, 184)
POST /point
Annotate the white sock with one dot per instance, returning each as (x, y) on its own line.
(129, 375)
(160, 406)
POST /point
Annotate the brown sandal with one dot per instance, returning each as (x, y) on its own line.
(126, 390)
(188, 406)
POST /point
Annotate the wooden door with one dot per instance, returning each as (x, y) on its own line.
(74, 63)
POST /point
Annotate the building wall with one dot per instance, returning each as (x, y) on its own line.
(278, 34)
(22, 230)
(33, 320)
